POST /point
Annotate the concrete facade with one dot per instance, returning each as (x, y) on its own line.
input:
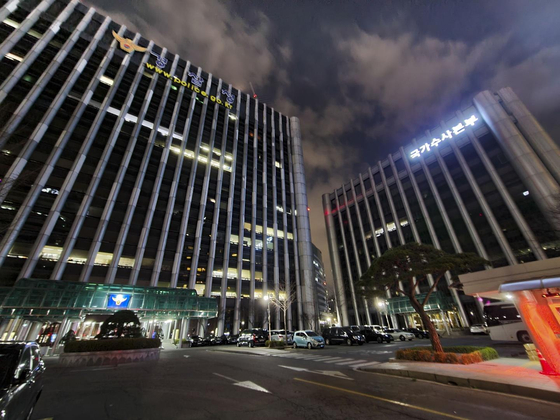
(124, 163)
(483, 181)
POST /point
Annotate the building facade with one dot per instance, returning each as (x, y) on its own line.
(320, 281)
(486, 180)
(123, 163)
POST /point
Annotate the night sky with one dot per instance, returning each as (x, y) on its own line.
(364, 77)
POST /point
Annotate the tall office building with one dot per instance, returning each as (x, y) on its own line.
(485, 180)
(123, 163)
(320, 281)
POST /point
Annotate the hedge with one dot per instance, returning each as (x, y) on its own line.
(81, 346)
(275, 343)
(465, 355)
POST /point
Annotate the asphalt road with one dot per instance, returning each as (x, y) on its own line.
(218, 383)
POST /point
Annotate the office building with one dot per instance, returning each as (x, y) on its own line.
(320, 281)
(125, 164)
(485, 180)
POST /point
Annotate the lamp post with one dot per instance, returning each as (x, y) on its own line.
(268, 314)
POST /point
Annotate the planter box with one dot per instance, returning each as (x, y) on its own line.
(104, 358)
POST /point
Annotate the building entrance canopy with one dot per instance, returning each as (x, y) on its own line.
(54, 300)
(438, 301)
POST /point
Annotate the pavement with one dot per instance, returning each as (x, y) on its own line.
(506, 375)
(226, 382)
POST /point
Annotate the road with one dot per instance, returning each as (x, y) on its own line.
(219, 383)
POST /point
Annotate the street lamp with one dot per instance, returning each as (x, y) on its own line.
(268, 314)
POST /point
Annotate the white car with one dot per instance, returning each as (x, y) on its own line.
(479, 329)
(400, 335)
(280, 335)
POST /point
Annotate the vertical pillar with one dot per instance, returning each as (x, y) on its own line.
(543, 327)
(339, 293)
(305, 250)
(33, 331)
(547, 150)
(539, 181)
(3, 326)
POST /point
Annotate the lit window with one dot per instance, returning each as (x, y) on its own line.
(106, 80)
(13, 57)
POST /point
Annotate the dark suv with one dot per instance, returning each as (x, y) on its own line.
(373, 336)
(21, 378)
(252, 337)
(338, 335)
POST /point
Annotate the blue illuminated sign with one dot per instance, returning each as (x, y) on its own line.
(118, 301)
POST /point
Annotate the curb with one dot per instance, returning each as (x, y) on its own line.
(480, 384)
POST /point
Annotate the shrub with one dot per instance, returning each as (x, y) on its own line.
(111, 344)
(454, 354)
(275, 343)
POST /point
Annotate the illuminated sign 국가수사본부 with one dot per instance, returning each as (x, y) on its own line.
(448, 134)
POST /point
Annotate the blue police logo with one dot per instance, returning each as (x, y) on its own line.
(230, 98)
(161, 62)
(196, 80)
(118, 301)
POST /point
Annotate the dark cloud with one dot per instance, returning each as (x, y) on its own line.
(364, 77)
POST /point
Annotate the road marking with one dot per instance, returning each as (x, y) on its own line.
(353, 361)
(341, 360)
(253, 386)
(349, 391)
(226, 377)
(244, 384)
(186, 356)
(332, 373)
(364, 364)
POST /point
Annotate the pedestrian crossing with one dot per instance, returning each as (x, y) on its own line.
(332, 360)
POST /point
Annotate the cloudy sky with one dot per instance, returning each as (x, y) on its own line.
(364, 77)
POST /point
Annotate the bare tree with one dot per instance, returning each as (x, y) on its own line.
(283, 301)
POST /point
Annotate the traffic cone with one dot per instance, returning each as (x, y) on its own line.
(546, 369)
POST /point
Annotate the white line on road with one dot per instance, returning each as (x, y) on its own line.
(186, 356)
(341, 360)
(364, 364)
(225, 377)
(352, 361)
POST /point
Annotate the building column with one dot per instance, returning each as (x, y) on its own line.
(539, 181)
(339, 293)
(431, 230)
(522, 224)
(33, 331)
(3, 326)
(305, 249)
(538, 138)
(354, 245)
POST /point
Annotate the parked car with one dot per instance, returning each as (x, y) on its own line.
(400, 334)
(232, 338)
(21, 379)
(479, 329)
(196, 341)
(217, 340)
(280, 335)
(377, 328)
(418, 333)
(338, 335)
(309, 339)
(252, 337)
(371, 335)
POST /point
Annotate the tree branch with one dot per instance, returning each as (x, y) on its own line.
(432, 289)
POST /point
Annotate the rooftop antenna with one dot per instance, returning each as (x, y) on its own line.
(253, 89)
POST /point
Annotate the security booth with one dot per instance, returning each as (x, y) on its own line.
(45, 310)
(534, 289)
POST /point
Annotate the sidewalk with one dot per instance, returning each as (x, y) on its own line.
(507, 375)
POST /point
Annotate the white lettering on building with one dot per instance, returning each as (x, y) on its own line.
(448, 134)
